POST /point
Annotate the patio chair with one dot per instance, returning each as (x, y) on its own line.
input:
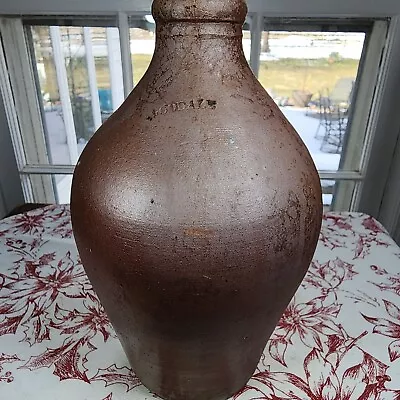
(334, 120)
(333, 112)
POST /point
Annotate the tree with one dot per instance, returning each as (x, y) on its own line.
(265, 42)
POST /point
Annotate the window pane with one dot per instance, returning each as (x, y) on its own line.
(142, 41)
(246, 41)
(312, 77)
(62, 185)
(330, 191)
(327, 192)
(75, 60)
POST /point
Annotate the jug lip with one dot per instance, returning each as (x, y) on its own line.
(234, 11)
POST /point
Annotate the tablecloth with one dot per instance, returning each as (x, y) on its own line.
(339, 338)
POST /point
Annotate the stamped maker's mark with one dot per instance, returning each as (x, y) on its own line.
(199, 104)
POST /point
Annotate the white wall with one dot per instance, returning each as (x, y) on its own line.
(389, 213)
(10, 186)
(379, 195)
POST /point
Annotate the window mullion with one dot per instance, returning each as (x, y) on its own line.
(115, 65)
(124, 37)
(48, 170)
(94, 95)
(256, 34)
(340, 176)
(62, 81)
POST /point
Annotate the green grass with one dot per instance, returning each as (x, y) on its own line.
(282, 76)
(315, 76)
(286, 75)
(140, 63)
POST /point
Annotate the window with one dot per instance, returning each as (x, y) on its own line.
(312, 70)
(321, 73)
(78, 72)
(74, 84)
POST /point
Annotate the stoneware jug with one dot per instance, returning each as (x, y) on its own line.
(196, 208)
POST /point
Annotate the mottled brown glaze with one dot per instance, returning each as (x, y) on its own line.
(196, 209)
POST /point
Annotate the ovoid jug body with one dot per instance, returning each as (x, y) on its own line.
(196, 208)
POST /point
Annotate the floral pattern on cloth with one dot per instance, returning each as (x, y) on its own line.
(339, 338)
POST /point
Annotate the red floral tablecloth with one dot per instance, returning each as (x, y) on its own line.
(339, 339)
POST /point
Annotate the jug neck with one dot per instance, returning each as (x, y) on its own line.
(199, 38)
(201, 27)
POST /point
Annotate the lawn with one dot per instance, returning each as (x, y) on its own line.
(284, 76)
(140, 63)
(281, 77)
(78, 79)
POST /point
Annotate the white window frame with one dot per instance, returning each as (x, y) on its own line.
(285, 8)
(23, 110)
(355, 159)
(383, 69)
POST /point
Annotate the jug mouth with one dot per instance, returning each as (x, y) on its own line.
(233, 11)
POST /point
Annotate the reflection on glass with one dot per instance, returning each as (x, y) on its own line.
(311, 76)
(79, 74)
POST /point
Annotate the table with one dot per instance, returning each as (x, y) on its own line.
(339, 338)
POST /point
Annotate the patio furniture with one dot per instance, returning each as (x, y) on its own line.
(106, 108)
(301, 98)
(333, 114)
(333, 118)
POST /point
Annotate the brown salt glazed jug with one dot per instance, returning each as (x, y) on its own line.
(196, 208)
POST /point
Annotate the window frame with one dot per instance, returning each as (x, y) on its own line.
(359, 137)
(258, 9)
(273, 8)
